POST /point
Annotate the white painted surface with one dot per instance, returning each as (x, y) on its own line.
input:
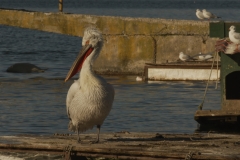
(3, 157)
(181, 74)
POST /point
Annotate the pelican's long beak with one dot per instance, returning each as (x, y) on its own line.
(77, 64)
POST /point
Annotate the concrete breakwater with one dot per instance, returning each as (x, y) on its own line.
(129, 42)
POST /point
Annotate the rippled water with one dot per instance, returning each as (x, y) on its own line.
(35, 103)
(37, 106)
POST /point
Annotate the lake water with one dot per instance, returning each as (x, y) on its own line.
(35, 103)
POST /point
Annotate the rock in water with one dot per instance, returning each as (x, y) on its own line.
(24, 68)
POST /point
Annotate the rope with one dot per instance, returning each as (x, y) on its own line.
(201, 105)
(67, 152)
(217, 73)
(189, 156)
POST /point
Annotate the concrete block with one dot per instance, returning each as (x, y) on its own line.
(169, 47)
(130, 42)
(126, 54)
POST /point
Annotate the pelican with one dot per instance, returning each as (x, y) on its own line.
(90, 98)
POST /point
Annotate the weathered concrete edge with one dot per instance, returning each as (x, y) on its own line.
(74, 24)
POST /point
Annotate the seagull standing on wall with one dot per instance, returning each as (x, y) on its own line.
(184, 57)
(208, 15)
(90, 98)
(199, 14)
(233, 35)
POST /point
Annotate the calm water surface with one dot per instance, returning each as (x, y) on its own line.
(35, 103)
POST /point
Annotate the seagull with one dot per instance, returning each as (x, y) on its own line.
(138, 78)
(208, 56)
(234, 36)
(203, 57)
(90, 98)
(208, 15)
(184, 57)
(199, 14)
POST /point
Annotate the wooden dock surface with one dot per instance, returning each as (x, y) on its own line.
(125, 145)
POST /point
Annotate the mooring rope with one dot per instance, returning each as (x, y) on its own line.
(201, 105)
(217, 72)
(189, 156)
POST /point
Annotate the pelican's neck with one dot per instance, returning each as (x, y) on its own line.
(87, 77)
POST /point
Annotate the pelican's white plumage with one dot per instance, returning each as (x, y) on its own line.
(90, 98)
(233, 35)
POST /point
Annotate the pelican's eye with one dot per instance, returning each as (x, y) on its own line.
(87, 42)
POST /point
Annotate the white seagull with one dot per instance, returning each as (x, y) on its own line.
(184, 57)
(199, 14)
(208, 15)
(203, 57)
(234, 36)
(208, 56)
(90, 98)
(138, 78)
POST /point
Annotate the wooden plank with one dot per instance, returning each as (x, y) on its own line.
(184, 66)
(217, 113)
(190, 65)
(182, 74)
(125, 145)
(219, 120)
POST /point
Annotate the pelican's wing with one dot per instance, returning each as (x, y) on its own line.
(70, 95)
(236, 35)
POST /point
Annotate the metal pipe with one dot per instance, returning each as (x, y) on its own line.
(60, 5)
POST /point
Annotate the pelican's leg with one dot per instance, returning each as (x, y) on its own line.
(79, 140)
(98, 127)
(98, 132)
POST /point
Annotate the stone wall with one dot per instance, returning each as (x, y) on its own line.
(129, 42)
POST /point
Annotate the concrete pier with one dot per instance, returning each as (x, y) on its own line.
(129, 42)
